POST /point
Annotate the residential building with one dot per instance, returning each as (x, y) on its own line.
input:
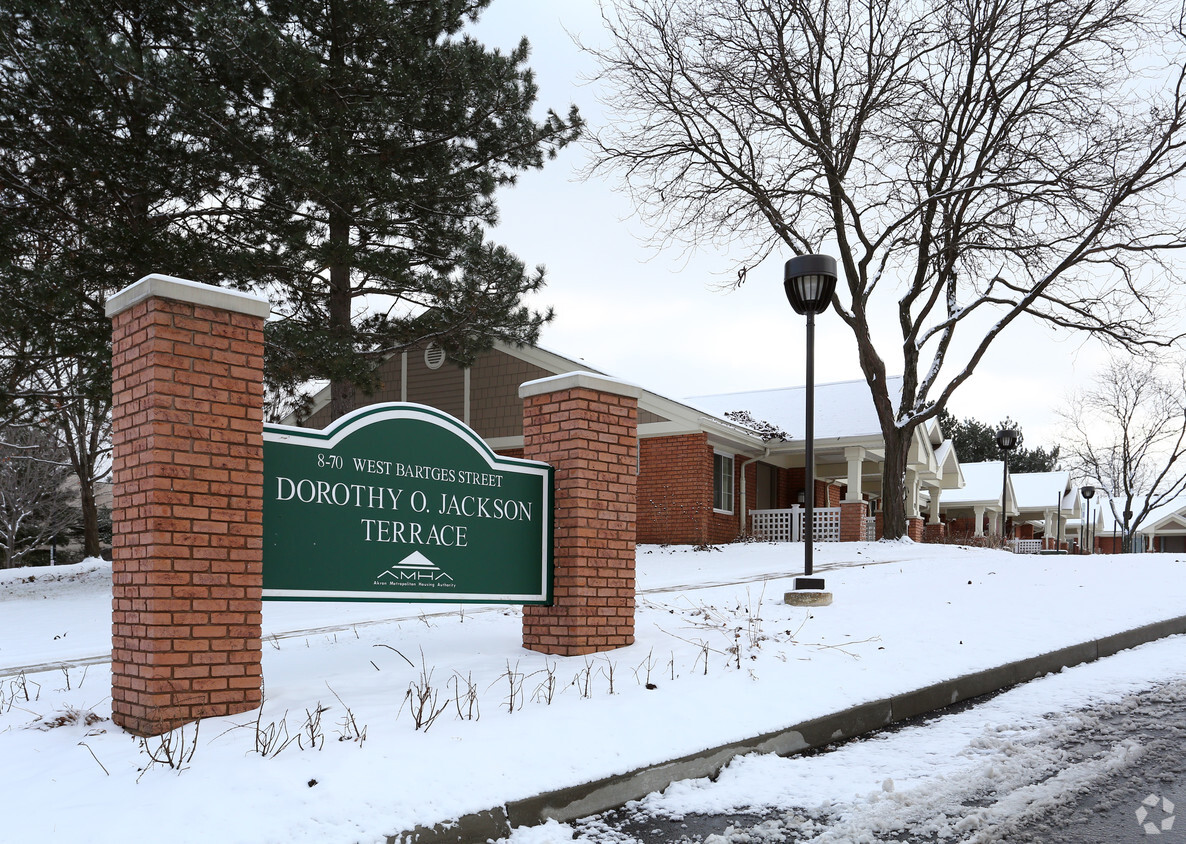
(711, 468)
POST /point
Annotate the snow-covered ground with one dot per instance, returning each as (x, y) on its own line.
(985, 774)
(725, 657)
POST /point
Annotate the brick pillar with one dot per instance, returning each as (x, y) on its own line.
(852, 521)
(914, 528)
(934, 533)
(586, 427)
(187, 544)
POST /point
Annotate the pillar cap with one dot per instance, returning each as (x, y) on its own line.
(191, 292)
(579, 380)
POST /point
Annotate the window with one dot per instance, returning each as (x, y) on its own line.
(722, 482)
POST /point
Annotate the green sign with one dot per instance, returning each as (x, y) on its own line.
(400, 502)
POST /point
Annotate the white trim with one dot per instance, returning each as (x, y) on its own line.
(403, 375)
(732, 482)
(191, 292)
(498, 443)
(465, 395)
(364, 416)
(578, 380)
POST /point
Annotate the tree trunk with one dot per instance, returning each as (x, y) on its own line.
(893, 481)
(90, 521)
(340, 326)
(341, 391)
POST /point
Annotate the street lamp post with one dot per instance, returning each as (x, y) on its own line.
(809, 282)
(1006, 442)
(1088, 493)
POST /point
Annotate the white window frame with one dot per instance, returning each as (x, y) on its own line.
(732, 481)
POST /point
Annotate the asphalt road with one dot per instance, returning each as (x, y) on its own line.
(1138, 795)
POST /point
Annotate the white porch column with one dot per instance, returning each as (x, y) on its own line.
(936, 492)
(979, 531)
(993, 517)
(912, 484)
(855, 455)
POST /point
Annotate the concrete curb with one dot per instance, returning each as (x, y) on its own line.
(577, 801)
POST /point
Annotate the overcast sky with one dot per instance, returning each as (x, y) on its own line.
(658, 318)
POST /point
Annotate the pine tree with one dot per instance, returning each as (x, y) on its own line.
(976, 442)
(119, 150)
(388, 132)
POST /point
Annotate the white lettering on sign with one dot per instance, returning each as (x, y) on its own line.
(413, 533)
(372, 467)
(478, 507)
(309, 491)
(342, 494)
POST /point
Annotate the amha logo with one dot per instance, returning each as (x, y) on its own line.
(1148, 808)
(416, 570)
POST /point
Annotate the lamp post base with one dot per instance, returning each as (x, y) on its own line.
(809, 592)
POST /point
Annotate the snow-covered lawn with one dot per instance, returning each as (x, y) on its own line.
(725, 657)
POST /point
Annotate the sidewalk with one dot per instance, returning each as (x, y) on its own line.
(435, 714)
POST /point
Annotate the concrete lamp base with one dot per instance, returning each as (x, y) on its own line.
(809, 592)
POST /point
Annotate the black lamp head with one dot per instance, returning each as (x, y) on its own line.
(1007, 439)
(809, 282)
(1087, 492)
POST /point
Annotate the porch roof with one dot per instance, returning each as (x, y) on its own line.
(982, 487)
(1040, 492)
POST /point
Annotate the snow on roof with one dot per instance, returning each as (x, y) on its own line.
(1039, 490)
(982, 484)
(1163, 513)
(843, 409)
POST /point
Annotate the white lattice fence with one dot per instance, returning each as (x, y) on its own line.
(827, 524)
(787, 525)
(776, 525)
(1025, 546)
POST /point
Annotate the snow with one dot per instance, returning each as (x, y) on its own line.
(982, 485)
(728, 659)
(966, 776)
(842, 409)
(1035, 490)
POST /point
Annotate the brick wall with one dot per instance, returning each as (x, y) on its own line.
(1108, 544)
(675, 489)
(187, 514)
(586, 427)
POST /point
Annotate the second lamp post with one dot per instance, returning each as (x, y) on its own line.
(809, 282)
(1006, 442)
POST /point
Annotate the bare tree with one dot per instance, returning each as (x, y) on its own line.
(969, 161)
(81, 424)
(1129, 436)
(35, 506)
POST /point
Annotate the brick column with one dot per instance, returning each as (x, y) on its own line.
(187, 544)
(934, 533)
(914, 528)
(586, 427)
(852, 521)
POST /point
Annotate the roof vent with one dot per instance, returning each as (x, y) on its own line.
(434, 355)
